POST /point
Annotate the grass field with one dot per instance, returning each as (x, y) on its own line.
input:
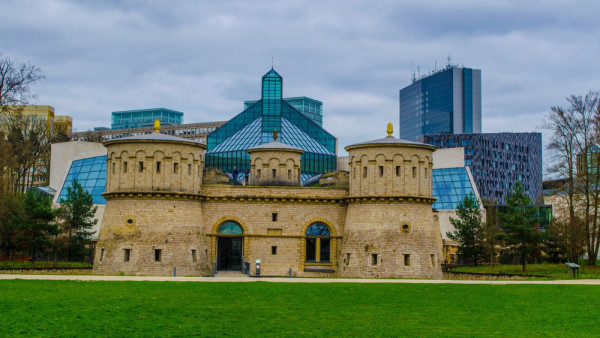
(558, 271)
(52, 308)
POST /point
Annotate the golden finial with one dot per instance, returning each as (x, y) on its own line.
(390, 129)
(274, 134)
(156, 126)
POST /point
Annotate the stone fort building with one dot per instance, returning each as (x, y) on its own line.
(162, 214)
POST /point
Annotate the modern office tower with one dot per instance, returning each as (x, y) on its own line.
(498, 160)
(313, 109)
(254, 126)
(445, 102)
(145, 118)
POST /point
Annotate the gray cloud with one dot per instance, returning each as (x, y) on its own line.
(205, 58)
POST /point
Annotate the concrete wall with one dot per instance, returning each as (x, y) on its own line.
(449, 158)
(62, 154)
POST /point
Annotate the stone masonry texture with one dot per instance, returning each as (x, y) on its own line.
(159, 219)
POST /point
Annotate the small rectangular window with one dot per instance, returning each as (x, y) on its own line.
(397, 170)
(175, 168)
(189, 169)
(157, 255)
(158, 167)
(374, 259)
(258, 173)
(126, 255)
(354, 172)
(141, 166)
(432, 260)
(364, 172)
(273, 250)
(289, 175)
(194, 259)
(347, 258)
(407, 259)
(380, 171)
(101, 255)
(274, 173)
(414, 172)
(274, 215)
(125, 167)
(425, 172)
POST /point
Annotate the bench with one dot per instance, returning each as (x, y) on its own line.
(573, 269)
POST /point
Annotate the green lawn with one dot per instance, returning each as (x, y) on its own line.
(52, 308)
(558, 271)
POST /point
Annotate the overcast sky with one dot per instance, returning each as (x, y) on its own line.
(205, 58)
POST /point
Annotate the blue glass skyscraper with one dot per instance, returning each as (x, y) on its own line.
(254, 126)
(446, 102)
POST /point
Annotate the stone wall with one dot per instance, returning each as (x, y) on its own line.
(296, 209)
(274, 167)
(386, 171)
(154, 166)
(144, 223)
(391, 239)
(383, 227)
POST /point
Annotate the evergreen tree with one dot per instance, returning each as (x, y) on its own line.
(36, 224)
(520, 224)
(11, 207)
(468, 228)
(76, 213)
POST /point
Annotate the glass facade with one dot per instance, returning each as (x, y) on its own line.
(446, 102)
(450, 187)
(498, 160)
(311, 108)
(91, 174)
(254, 126)
(144, 118)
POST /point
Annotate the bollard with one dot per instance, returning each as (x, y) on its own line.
(174, 271)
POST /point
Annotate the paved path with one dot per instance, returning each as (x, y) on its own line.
(287, 280)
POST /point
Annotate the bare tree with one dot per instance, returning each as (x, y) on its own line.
(15, 79)
(574, 158)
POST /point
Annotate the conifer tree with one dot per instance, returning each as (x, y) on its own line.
(468, 228)
(520, 224)
(76, 213)
(36, 225)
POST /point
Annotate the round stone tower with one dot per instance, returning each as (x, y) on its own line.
(275, 163)
(153, 221)
(391, 229)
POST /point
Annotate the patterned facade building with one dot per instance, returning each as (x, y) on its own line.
(498, 160)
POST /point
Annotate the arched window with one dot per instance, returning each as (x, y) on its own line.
(318, 243)
(230, 228)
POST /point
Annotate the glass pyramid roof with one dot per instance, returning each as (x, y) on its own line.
(250, 136)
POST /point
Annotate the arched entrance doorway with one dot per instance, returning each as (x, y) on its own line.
(229, 246)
